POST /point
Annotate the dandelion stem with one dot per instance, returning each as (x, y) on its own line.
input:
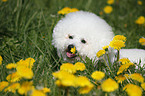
(109, 60)
(59, 91)
(129, 71)
(107, 64)
(118, 55)
(81, 58)
(66, 91)
(127, 79)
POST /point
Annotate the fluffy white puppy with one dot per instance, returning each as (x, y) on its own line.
(85, 31)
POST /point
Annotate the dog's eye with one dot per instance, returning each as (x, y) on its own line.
(70, 37)
(83, 41)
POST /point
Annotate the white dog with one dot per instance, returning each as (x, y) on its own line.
(88, 33)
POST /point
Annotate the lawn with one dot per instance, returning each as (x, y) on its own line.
(26, 31)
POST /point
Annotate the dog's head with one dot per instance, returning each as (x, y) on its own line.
(81, 33)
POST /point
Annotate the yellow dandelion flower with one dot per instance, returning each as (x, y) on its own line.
(64, 11)
(110, 1)
(140, 20)
(37, 93)
(100, 53)
(109, 85)
(58, 83)
(80, 66)
(3, 85)
(13, 77)
(30, 62)
(67, 10)
(143, 85)
(119, 37)
(133, 90)
(45, 90)
(66, 79)
(126, 75)
(120, 79)
(1, 59)
(25, 87)
(27, 63)
(98, 75)
(108, 9)
(142, 41)
(25, 72)
(139, 2)
(105, 47)
(124, 67)
(60, 74)
(74, 10)
(4, 0)
(124, 60)
(137, 77)
(13, 87)
(73, 50)
(86, 89)
(68, 67)
(21, 62)
(117, 44)
(82, 81)
(11, 65)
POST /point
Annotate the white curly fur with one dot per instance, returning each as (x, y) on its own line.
(87, 26)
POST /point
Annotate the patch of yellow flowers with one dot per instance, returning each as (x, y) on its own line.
(68, 76)
(108, 9)
(15, 83)
(131, 89)
(117, 43)
(108, 85)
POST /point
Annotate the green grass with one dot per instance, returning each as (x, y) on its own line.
(26, 31)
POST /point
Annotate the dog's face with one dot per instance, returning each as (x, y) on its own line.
(83, 31)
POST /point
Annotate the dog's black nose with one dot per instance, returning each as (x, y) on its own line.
(70, 46)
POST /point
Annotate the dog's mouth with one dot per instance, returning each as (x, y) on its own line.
(70, 55)
(71, 51)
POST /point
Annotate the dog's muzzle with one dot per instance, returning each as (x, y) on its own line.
(71, 51)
